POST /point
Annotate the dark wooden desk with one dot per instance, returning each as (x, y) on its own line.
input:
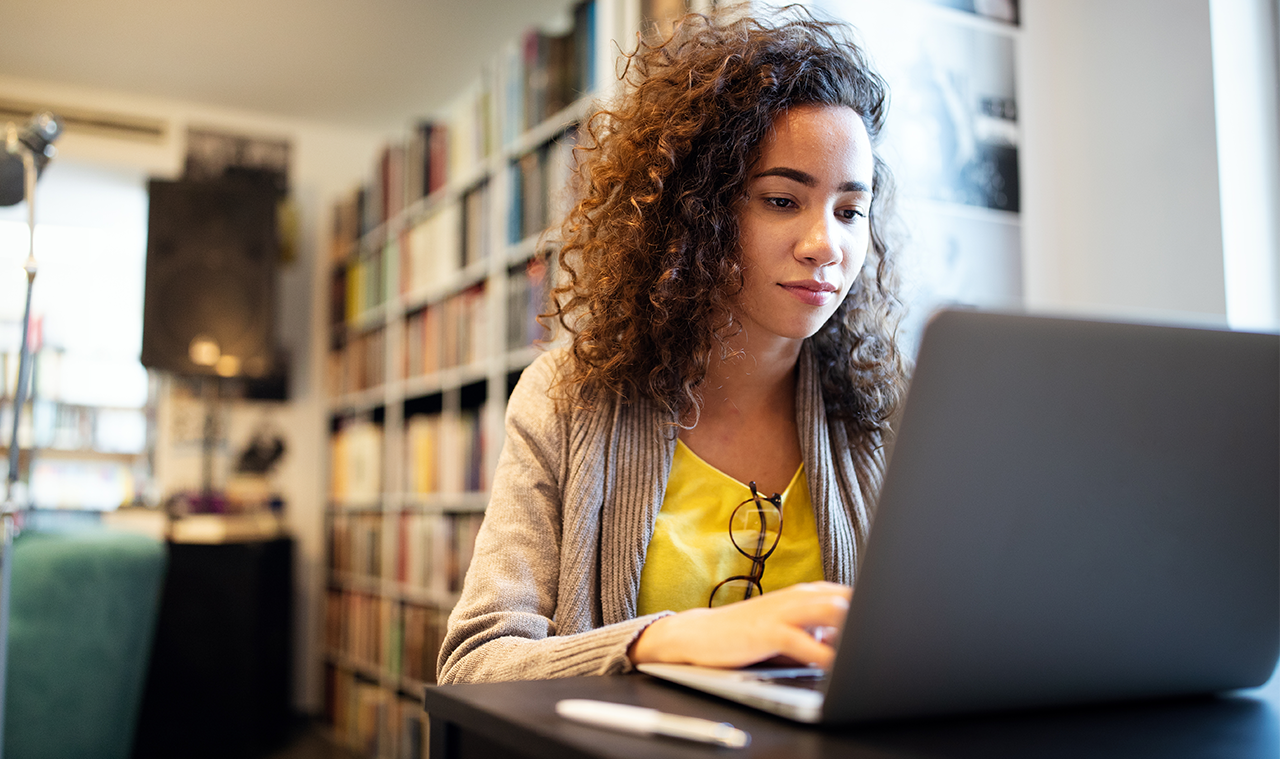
(519, 719)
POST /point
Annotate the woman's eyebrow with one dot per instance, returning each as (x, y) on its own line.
(807, 179)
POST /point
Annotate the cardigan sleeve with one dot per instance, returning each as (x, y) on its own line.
(504, 625)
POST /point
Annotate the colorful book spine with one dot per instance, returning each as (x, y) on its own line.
(445, 453)
(356, 464)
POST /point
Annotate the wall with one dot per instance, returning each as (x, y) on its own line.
(326, 161)
(1245, 73)
(1120, 171)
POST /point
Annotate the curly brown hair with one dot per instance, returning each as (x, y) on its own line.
(650, 254)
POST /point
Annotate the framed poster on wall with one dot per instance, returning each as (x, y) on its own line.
(951, 142)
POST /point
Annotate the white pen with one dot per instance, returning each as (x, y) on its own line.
(637, 719)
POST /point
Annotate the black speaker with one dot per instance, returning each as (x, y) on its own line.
(211, 265)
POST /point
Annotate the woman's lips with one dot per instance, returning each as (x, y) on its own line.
(810, 292)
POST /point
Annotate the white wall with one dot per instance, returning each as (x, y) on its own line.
(1120, 171)
(327, 161)
(1245, 73)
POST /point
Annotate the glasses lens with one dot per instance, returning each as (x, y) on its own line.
(734, 589)
(755, 528)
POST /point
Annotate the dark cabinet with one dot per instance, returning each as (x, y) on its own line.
(219, 679)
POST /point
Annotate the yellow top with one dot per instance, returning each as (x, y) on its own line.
(690, 552)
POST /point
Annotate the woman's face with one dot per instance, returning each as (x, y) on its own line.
(803, 224)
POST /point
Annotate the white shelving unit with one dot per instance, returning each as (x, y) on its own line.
(373, 697)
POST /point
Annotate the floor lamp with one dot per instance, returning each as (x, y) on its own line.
(25, 156)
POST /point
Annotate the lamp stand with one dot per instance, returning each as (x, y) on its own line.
(11, 508)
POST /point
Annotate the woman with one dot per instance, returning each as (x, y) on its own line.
(730, 297)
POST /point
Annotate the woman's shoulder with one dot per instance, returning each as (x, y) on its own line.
(542, 389)
(546, 372)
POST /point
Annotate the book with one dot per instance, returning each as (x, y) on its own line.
(437, 158)
(346, 227)
(434, 250)
(361, 363)
(422, 436)
(356, 456)
(541, 192)
(411, 729)
(475, 225)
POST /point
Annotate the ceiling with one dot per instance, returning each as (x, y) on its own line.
(356, 63)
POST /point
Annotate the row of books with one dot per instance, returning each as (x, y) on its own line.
(357, 627)
(355, 456)
(337, 307)
(52, 425)
(475, 225)
(407, 171)
(450, 333)
(430, 551)
(454, 237)
(395, 639)
(473, 125)
(360, 364)
(367, 281)
(387, 193)
(348, 225)
(355, 544)
(527, 292)
(444, 453)
(433, 550)
(547, 71)
(373, 721)
(47, 366)
(403, 173)
(430, 251)
(356, 286)
(540, 193)
(426, 158)
(423, 630)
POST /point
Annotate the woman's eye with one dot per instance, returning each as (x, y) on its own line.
(849, 214)
(779, 202)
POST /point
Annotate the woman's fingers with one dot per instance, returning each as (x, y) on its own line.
(812, 604)
(775, 624)
(802, 647)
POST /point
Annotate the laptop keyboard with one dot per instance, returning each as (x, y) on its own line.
(809, 679)
(808, 683)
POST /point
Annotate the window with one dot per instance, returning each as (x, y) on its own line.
(88, 417)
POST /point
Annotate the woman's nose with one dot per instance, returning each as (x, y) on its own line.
(818, 244)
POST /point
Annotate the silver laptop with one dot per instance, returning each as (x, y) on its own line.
(1074, 511)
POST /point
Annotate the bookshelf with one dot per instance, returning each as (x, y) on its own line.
(75, 452)
(435, 276)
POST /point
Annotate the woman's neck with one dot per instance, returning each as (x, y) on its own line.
(746, 427)
(752, 379)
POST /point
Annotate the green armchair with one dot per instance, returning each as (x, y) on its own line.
(82, 616)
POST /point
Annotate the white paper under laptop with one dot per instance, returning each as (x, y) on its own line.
(1074, 511)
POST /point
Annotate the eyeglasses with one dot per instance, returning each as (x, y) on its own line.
(754, 528)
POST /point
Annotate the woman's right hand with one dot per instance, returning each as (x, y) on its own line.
(776, 624)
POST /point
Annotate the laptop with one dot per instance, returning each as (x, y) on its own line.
(1074, 511)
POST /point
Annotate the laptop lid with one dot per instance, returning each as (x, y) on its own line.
(1074, 511)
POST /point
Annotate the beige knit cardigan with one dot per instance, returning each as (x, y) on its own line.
(552, 587)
